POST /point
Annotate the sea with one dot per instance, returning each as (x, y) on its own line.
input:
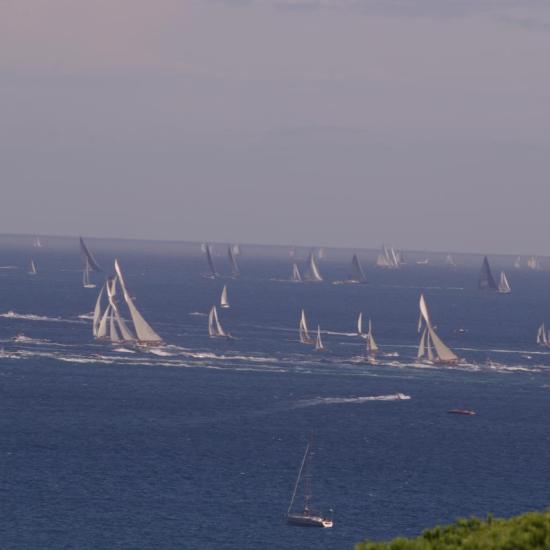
(197, 444)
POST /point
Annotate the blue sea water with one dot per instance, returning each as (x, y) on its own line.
(197, 445)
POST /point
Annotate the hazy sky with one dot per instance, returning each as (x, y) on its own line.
(422, 123)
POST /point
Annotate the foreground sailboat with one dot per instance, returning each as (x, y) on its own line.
(486, 279)
(313, 273)
(318, 342)
(431, 348)
(215, 329)
(503, 285)
(305, 338)
(306, 517)
(224, 302)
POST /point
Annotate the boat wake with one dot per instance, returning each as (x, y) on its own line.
(30, 317)
(344, 400)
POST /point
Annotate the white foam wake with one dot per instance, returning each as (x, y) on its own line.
(341, 400)
(31, 317)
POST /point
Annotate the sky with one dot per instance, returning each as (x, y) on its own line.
(421, 123)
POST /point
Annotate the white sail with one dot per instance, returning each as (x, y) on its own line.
(113, 332)
(517, 263)
(126, 333)
(372, 347)
(97, 312)
(144, 331)
(86, 283)
(33, 270)
(296, 276)
(214, 326)
(102, 329)
(304, 332)
(360, 324)
(449, 260)
(224, 302)
(442, 353)
(542, 336)
(36, 243)
(313, 272)
(318, 342)
(504, 286)
(422, 344)
(235, 271)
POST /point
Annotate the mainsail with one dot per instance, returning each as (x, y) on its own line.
(357, 273)
(33, 270)
(389, 258)
(127, 335)
(504, 286)
(360, 324)
(429, 337)
(224, 302)
(235, 271)
(313, 271)
(318, 342)
(102, 329)
(145, 333)
(97, 312)
(304, 332)
(296, 276)
(214, 326)
(208, 251)
(89, 259)
(372, 347)
(486, 279)
(542, 336)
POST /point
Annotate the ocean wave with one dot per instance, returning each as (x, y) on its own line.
(343, 400)
(198, 314)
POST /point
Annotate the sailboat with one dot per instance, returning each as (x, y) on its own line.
(357, 273)
(208, 251)
(305, 338)
(306, 517)
(118, 322)
(146, 336)
(486, 279)
(313, 273)
(360, 324)
(517, 263)
(33, 270)
(534, 263)
(235, 271)
(389, 258)
(372, 347)
(504, 286)
(215, 329)
(431, 347)
(36, 243)
(296, 276)
(97, 313)
(90, 264)
(318, 342)
(224, 302)
(542, 336)
(450, 261)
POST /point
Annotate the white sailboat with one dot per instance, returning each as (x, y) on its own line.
(360, 324)
(86, 282)
(372, 347)
(389, 258)
(36, 243)
(97, 313)
(296, 276)
(224, 302)
(33, 270)
(517, 263)
(208, 251)
(305, 338)
(146, 336)
(313, 274)
(126, 333)
(215, 329)
(306, 517)
(450, 261)
(318, 342)
(542, 336)
(503, 285)
(431, 347)
(534, 263)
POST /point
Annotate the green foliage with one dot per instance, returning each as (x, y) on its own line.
(523, 532)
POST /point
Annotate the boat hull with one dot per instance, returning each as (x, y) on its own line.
(303, 520)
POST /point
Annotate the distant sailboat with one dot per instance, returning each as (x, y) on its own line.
(431, 347)
(90, 264)
(305, 338)
(486, 279)
(425, 261)
(296, 276)
(357, 273)
(97, 313)
(36, 243)
(318, 342)
(542, 336)
(146, 336)
(517, 263)
(313, 273)
(372, 347)
(208, 251)
(235, 271)
(389, 258)
(86, 282)
(306, 517)
(33, 270)
(215, 329)
(534, 263)
(504, 286)
(450, 261)
(224, 302)
(360, 324)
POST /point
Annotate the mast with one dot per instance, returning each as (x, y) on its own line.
(298, 479)
(235, 271)
(145, 333)
(88, 257)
